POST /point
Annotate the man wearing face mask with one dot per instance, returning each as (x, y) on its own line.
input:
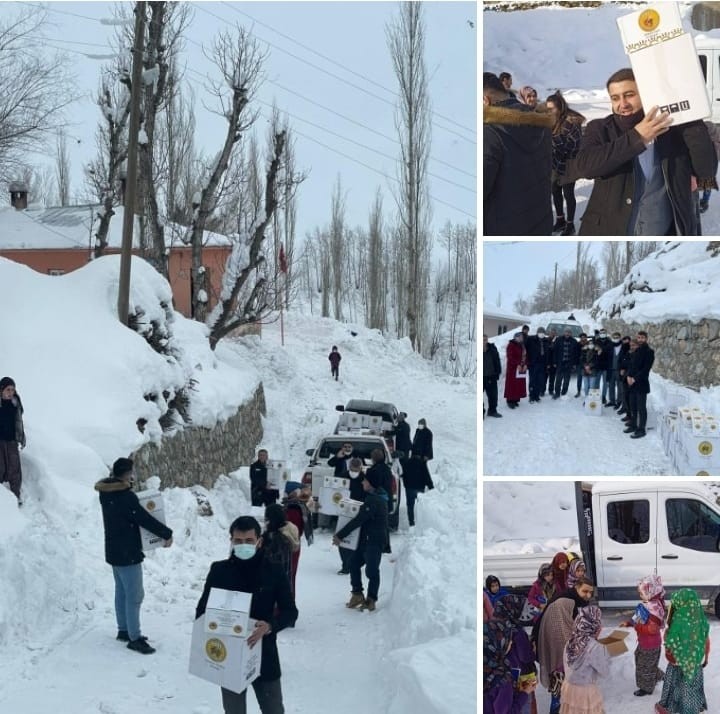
(357, 493)
(422, 445)
(642, 168)
(604, 363)
(123, 516)
(272, 605)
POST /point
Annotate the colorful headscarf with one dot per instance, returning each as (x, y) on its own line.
(525, 92)
(508, 610)
(560, 575)
(586, 626)
(687, 631)
(572, 572)
(496, 641)
(652, 590)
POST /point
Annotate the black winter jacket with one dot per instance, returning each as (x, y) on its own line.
(258, 476)
(517, 166)
(423, 443)
(606, 356)
(624, 360)
(491, 362)
(123, 516)
(341, 464)
(538, 351)
(272, 600)
(402, 437)
(372, 519)
(641, 362)
(606, 155)
(573, 351)
(416, 474)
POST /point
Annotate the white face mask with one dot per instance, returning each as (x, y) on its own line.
(421, 426)
(354, 474)
(244, 551)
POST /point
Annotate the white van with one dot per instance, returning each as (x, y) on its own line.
(708, 50)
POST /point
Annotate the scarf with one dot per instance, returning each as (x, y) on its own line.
(306, 517)
(560, 578)
(572, 572)
(687, 632)
(509, 610)
(496, 641)
(653, 593)
(586, 626)
(629, 122)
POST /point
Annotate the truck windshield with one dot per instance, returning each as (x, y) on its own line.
(691, 524)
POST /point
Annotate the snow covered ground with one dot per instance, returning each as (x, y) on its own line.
(83, 377)
(574, 50)
(519, 516)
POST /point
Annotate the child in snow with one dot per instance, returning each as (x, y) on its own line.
(576, 570)
(586, 660)
(542, 590)
(494, 590)
(648, 621)
(687, 647)
(560, 566)
(334, 358)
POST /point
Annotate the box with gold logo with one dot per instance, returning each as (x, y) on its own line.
(278, 474)
(227, 613)
(333, 490)
(348, 510)
(223, 660)
(152, 502)
(593, 403)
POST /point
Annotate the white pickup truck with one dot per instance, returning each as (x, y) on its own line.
(628, 530)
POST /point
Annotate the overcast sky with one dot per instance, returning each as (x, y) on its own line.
(349, 33)
(513, 269)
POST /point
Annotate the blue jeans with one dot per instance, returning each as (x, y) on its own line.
(411, 495)
(554, 705)
(589, 381)
(368, 555)
(129, 595)
(603, 374)
(706, 195)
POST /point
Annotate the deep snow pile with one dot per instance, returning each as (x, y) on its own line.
(83, 378)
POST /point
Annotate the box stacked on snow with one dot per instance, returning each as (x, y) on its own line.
(692, 441)
(333, 490)
(665, 63)
(348, 509)
(278, 474)
(152, 502)
(593, 403)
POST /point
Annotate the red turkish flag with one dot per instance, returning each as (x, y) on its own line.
(282, 260)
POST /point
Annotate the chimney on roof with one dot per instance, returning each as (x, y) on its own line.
(18, 195)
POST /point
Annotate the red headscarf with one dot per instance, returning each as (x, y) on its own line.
(560, 576)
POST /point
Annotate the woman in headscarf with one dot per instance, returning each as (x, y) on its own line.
(687, 647)
(497, 678)
(542, 590)
(521, 658)
(576, 570)
(528, 95)
(493, 589)
(515, 371)
(586, 660)
(648, 621)
(559, 568)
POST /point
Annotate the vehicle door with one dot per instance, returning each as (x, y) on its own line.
(627, 543)
(688, 531)
(710, 64)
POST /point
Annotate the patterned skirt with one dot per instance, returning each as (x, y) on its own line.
(647, 672)
(680, 696)
(581, 699)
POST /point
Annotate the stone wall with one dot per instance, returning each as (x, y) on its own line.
(685, 352)
(196, 455)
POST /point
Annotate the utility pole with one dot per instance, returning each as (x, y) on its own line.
(555, 288)
(131, 185)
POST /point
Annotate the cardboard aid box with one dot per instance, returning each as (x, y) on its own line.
(665, 63)
(228, 613)
(615, 642)
(278, 474)
(593, 403)
(152, 502)
(333, 490)
(224, 660)
(348, 510)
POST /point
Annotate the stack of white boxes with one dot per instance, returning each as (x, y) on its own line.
(219, 652)
(691, 438)
(348, 510)
(593, 403)
(278, 474)
(333, 490)
(152, 502)
(350, 421)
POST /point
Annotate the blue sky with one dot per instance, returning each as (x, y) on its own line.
(349, 33)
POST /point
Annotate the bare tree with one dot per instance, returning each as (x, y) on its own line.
(62, 169)
(337, 231)
(376, 266)
(35, 89)
(406, 41)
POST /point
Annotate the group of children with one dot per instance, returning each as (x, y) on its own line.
(509, 656)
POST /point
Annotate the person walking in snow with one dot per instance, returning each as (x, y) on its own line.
(566, 135)
(517, 163)
(354, 474)
(515, 369)
(416, 478)
(372, 520)
(123, 516)
(537, 351)
(260, 494)
(642, 167)
(492, 369)
(12, 436)
(334, 358)
(272, 606)
(422, 444)
(297, 514)
(566, 355)
(638, 380)
(401, 434)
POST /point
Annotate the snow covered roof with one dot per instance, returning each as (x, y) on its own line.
(74, 227)
(499, 313)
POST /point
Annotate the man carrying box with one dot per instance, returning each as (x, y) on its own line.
(642, 168)
(272, 605)
(123, 516)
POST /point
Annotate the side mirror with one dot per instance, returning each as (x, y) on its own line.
(339, 408)
(309, 452)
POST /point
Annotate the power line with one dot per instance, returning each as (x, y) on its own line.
(328, 72)
(335, 62)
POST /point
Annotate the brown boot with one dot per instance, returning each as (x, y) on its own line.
(356, 600)
(369, 604)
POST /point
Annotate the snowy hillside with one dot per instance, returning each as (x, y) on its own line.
(83, 378)
(574, 50)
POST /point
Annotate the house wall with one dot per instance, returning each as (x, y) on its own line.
(493, 326)
(69, 259)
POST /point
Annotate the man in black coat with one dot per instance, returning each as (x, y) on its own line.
(566, 355)
(402, 434)
(603, 366)
(638, 380)
(492, 370)
(341, 461)
(260, 494)
(123, 516)
(422, 445)
(272, 605)
(537, 348)
(623, 366)
(416, 478)
(517, 164)
(372, 519)
(642, 168)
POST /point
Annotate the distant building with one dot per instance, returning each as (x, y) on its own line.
(497, 321)
(55, 241)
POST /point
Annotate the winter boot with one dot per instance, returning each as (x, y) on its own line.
(639, 433)
(356, 600)
(369, 604)
(140, 645)
(569, 229)
(704, 205)
(123, 636)
(559, 224)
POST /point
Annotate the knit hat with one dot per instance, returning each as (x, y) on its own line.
(373, 477)
(6, 382)
(121, 467)
(291, 486)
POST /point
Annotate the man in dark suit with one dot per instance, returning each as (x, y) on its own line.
(638, 379)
